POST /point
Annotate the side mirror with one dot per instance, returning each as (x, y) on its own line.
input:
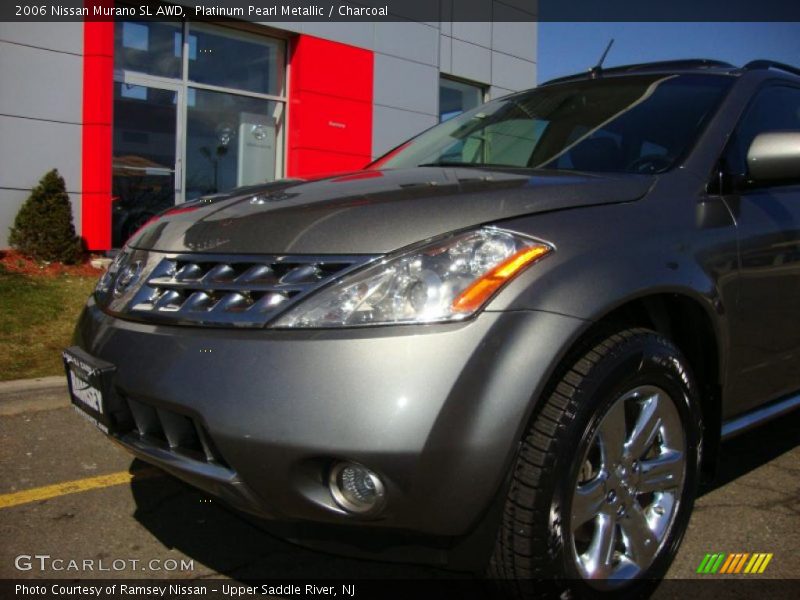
(774, 156)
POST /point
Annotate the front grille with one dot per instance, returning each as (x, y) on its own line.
(238, 291)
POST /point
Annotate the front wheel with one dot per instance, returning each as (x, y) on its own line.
(604, 483)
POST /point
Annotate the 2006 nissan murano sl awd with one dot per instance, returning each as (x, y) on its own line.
(524, 332)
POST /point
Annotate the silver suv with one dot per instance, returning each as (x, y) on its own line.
(517, 339)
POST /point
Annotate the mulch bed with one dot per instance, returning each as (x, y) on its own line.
(14, 262)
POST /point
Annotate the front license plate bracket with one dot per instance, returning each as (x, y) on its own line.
(89, 383)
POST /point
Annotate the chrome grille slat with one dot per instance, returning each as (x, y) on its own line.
(258, 274)
(168, 301)
(269, 302)
(233, 302)
(198, 301)
(220, 274)
(168, 283)
(189, 272)
(303, 274)
(232, 290)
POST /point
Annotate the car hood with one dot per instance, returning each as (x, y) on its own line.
(373, 212)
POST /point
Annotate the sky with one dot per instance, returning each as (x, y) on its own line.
(567, 48)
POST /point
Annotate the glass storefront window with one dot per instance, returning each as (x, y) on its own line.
(152, 48)
(198, 109)
(143, 163)
(231, 141)
(456, 97)
(229, 58)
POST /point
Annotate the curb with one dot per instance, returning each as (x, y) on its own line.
(31, 395)
(16, 386)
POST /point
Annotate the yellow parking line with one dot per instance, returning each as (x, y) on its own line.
(73, 487)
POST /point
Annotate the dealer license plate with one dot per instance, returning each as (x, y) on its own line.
(88, 379)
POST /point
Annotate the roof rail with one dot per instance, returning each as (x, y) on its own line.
(666, 65)
(770, 64)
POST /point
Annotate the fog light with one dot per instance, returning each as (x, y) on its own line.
(355, 488)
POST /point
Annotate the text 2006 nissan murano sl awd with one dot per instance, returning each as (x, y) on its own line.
(523, 332)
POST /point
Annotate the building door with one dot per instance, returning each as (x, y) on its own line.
(146, 164)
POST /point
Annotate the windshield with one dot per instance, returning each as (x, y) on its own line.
(634, 124)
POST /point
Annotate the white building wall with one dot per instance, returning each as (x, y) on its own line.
(41, 99)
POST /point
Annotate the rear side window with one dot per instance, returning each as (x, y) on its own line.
(775, 108)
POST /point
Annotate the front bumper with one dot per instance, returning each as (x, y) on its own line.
(436, 411)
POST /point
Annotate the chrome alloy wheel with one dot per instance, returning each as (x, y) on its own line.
(628, 487)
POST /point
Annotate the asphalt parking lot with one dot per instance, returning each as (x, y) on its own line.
(106, 514)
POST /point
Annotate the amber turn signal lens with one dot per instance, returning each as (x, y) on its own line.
(479, 292)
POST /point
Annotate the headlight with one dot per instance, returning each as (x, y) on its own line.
(447, 280)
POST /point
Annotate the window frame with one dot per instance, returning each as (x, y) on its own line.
(183, 84)
(482, 87)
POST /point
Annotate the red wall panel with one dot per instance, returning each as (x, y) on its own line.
(331, 68)
(330, 109)
(98, 103)
(332, 123)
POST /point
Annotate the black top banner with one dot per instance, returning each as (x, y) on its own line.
(402, 10)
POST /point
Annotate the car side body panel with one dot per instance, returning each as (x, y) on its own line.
(605, 258)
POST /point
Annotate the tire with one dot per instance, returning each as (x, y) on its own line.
(576, 496)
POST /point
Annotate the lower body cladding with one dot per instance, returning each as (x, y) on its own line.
(262, 418)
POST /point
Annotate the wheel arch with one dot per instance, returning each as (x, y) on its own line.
(686, 319)
(693, 324)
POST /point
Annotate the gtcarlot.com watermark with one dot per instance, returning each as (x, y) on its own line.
(45, 563)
